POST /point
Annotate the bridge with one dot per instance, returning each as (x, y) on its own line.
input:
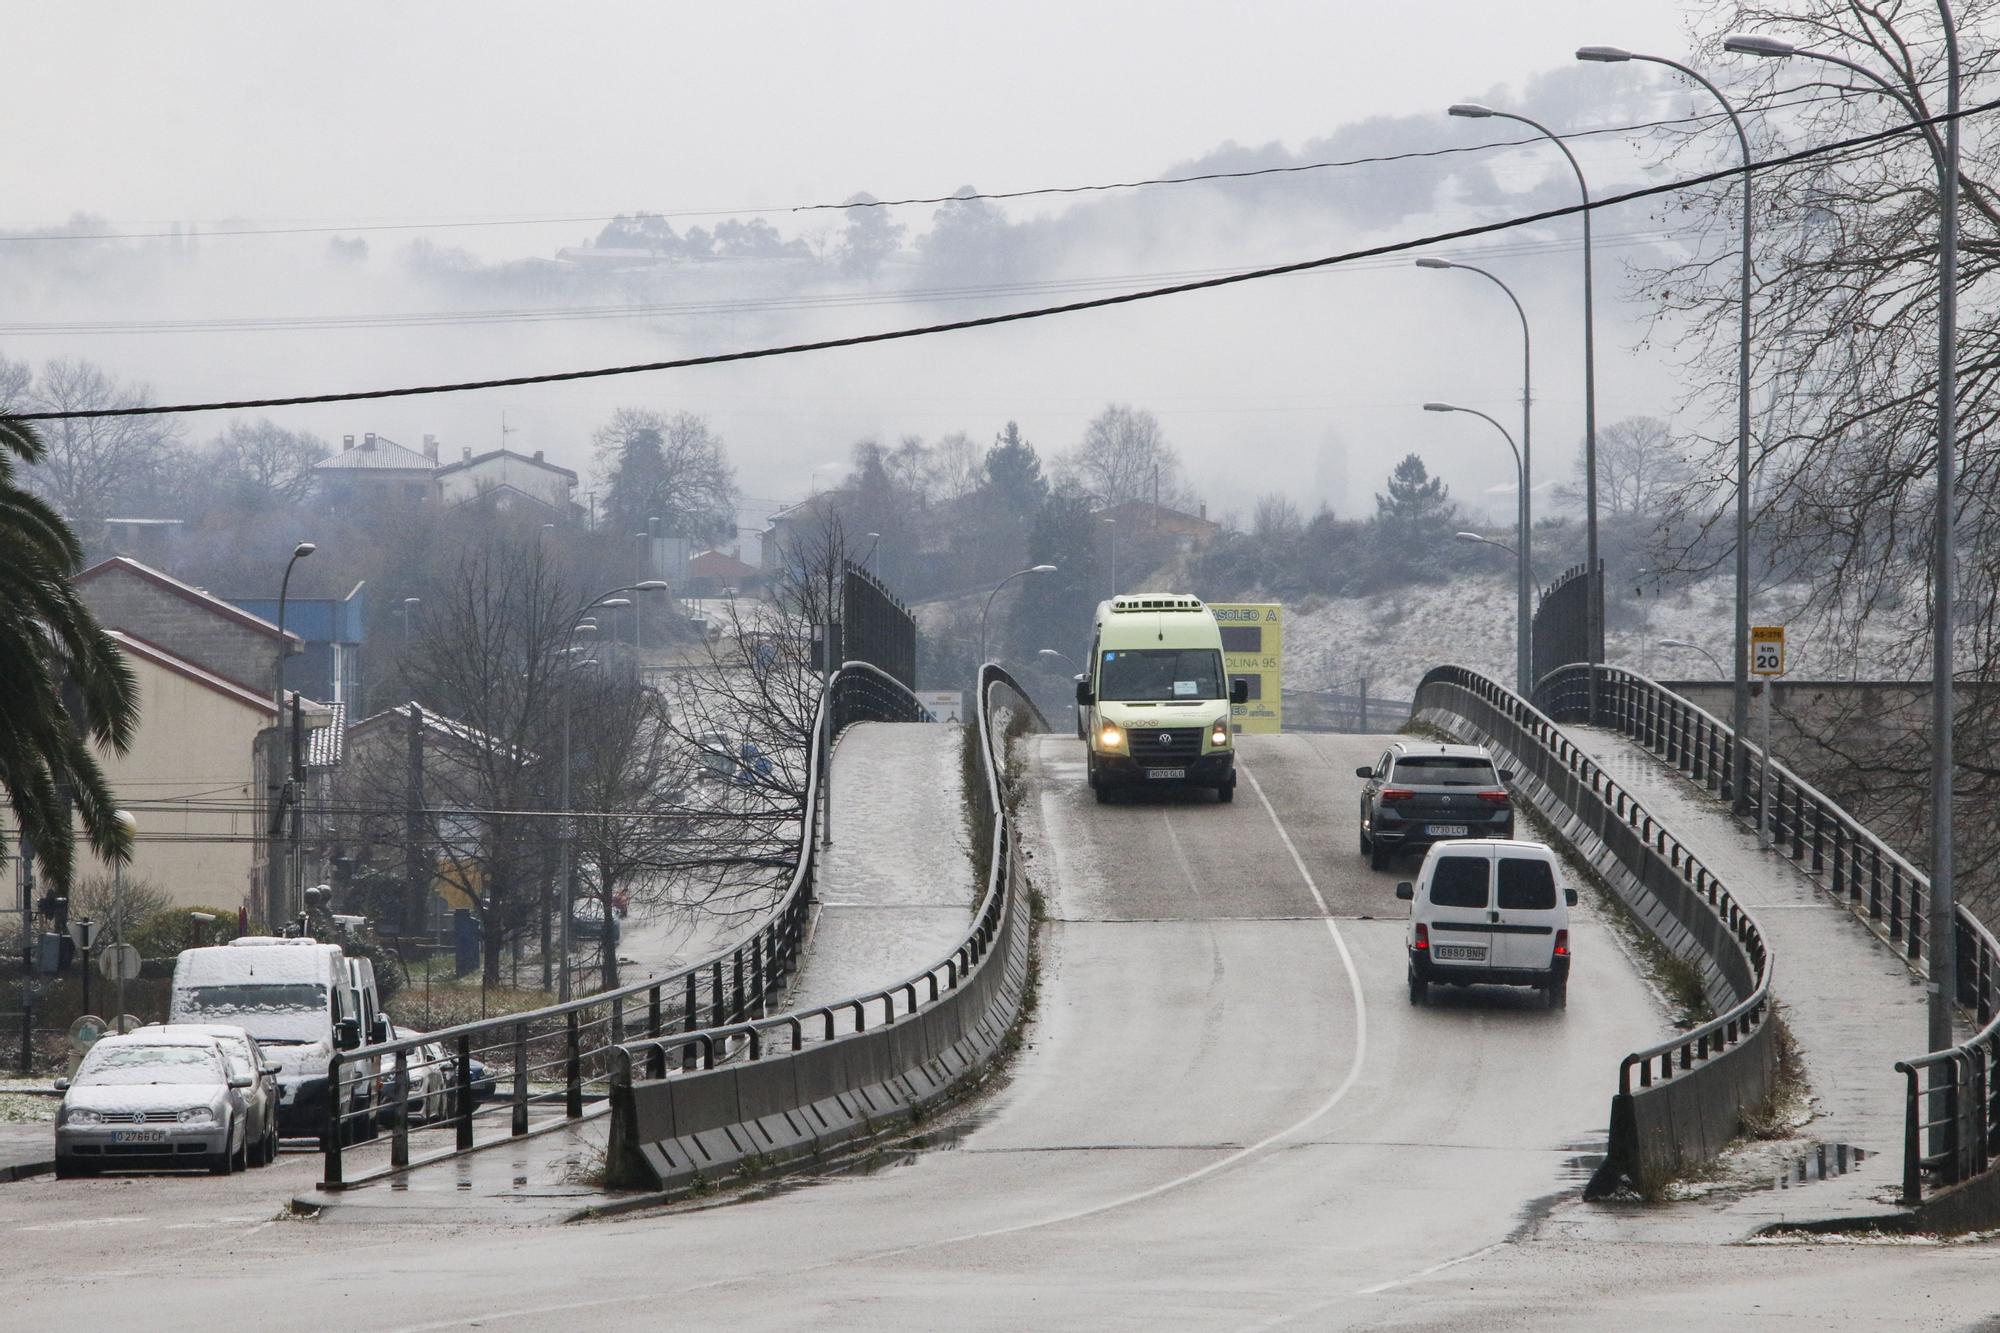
(1152, 1063)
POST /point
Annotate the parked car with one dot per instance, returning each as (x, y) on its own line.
(260, 1099)
(1489, 912)
(162, 1099)
(483, 1081)
(588, 922)
(431, 1081)
(1420, 792)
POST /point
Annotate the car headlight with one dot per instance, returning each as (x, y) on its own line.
(1218, 735)
(82, 1115)
(1111, 738)
(198, 1115)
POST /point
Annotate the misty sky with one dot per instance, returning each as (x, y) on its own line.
(364, 114)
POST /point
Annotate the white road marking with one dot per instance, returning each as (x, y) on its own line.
(1074, 1215)
(78, 1223)
(1426, 1272)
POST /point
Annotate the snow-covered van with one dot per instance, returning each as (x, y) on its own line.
(301, 1000)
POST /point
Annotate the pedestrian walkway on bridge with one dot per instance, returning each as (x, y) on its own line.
(1852, 1005)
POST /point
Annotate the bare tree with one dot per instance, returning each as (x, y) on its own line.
(263, 463)
(673, 468)
(1641, 470)
(95, 465)
(1122, 453)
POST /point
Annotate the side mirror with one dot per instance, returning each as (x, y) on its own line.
(1569, 896)
(239, 1080)
(62, 1085)
(380, 1032)
(1239, 691)
(271, 1069)
(349, 1034)
(1083, 694)
(1364, 772)
(1506, 775)
(1406, 891)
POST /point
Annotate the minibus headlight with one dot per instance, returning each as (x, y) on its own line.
(1110, 738)
(1218, 735)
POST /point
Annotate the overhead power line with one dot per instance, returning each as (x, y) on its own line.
(1249, 173)
(1018, 316)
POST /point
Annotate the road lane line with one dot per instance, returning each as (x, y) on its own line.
(1074, 1215)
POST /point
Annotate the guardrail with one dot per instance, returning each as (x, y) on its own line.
(554, 1056)
(1692, 1087)
(798, 1086)
(1950, 1093)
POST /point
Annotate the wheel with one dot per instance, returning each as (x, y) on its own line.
(1226, 794)
(1366, 845)
(1559, 993)
(240, 1159)
(1378, 856)
(221, 1163)
(1418, 987)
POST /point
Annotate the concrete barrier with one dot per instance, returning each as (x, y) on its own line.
(1662, 1130)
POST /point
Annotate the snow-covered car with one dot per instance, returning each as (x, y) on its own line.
(260, 1099)
(162, 1099)
(432, 1073)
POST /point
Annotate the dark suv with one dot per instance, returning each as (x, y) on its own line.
(1420, 792)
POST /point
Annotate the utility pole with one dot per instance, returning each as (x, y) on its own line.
(298, 801)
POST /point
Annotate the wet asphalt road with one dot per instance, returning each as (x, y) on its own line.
(1228, 1115)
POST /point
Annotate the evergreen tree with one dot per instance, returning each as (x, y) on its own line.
(1415, 520)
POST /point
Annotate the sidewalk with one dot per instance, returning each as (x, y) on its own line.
(896, 893)
(27, 1148)
(1852, 1006)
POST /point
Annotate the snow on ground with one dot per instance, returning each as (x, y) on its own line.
(1394, 637)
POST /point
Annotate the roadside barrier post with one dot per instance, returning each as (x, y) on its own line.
(465, 1095)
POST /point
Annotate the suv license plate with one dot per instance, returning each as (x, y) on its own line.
(1166, 773)
(1445, 830)
(139, 1136)
(1462, 953)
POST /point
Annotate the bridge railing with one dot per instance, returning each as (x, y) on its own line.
(1679, 1100)
(552, 1059)
(792, 1084)
(1952, 1118)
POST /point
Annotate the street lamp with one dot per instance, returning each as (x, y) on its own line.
(1943, 989)
(1685, 646)
(1065, 658)
(299, 552)
(609, 599)
(1523, 667)
(1524, 664)
(1032, 569)
(408, 609)
(1594, 604)
(874, 540)
(1740, 694)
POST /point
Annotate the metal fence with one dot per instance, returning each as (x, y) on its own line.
(553, 1057)
(877, 628)
(1561, 632)
(1951, 1094)
(1646, 1129)
(642, 1069)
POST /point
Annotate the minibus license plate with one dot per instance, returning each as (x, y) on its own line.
(139, 1136)
(1445, 830)
(1159, 773)
(1462, 953)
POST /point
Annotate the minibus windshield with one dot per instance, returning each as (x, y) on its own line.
(1159, 674)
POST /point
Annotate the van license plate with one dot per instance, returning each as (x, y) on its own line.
(1445, 830)
(1160, 773)
(1461, 953)
(139, 1136)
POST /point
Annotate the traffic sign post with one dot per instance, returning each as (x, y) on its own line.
(121, 963)
(1767, 659)
(84, 931)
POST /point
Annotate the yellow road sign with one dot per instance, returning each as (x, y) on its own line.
(1767, 650)
(1253, 645)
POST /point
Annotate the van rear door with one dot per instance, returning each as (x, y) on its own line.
(1527, 910)
(1457, 892)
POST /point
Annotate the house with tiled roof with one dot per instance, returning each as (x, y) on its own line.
(506, 479)
(377, 473)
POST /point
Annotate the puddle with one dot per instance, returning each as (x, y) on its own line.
(1824, 1161)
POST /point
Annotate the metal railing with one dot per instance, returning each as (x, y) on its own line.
(656, 1055)
(1535, 739)
(1956, 1100)
(556, 1057)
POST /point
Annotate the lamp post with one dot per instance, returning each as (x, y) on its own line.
(1686, 646)
(131, 826)
(1594, 604)
(279, 908)
(1943, 985)
(1032, 569)
(1523, 668)
(609, 599)
(1065, 658)
(1112, 523)
(874, 540)
(408, 609)
(1740, 693)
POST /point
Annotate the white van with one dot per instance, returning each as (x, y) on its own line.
(1155, 700)
(1489, 911)
(301, 1000)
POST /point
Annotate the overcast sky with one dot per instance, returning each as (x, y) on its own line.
(363, 113)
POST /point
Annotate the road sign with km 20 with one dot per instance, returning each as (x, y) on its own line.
(1767, 650)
